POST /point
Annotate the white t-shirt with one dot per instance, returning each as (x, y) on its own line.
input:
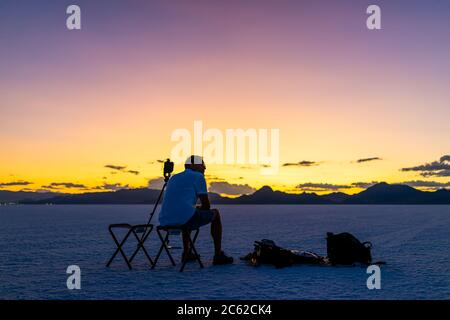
(181, 197)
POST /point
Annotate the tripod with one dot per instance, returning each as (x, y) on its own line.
(166, 179)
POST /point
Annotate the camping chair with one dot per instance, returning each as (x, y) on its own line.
(165, 240)
(144, 229)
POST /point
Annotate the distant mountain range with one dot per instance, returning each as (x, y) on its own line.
(25, 196)
(381, 193)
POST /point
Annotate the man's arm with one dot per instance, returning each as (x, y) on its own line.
(204, 200)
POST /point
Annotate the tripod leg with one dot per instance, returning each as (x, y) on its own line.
(156, 204)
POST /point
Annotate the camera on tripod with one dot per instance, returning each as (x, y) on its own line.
(168, 169)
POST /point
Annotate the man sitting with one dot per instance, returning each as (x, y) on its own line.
(179, 207)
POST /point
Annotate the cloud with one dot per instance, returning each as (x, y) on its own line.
(443, 173)
(310, 186)
(427, 184)
(37, 190)
(368, 159)
(439, 168)
(68, 185)
(112, 186)
(230, 189)
(156, 183)
(363, 185)
(213, 178)
(303, 163)
(433, 166)
(14, 183)
(121, 168)
(156, 161)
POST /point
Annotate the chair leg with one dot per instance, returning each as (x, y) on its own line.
(196, 235)
(141, 242)
(163, 247)
(194, 250)
(140, 245)
(136, 251)
(119, 249)
(159, 251)
(166, 240)
(184, 261)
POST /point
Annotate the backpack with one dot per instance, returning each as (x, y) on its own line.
(345, 248)
(267, 252)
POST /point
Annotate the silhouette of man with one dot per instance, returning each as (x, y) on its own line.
(179, 207)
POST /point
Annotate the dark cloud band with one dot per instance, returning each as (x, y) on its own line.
(68, 185)
(368, 159)
(439, 168)
(310, 186)
(15, 183)
(303, 163)
(121, 168)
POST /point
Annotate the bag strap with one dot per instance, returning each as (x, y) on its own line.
(367, 244)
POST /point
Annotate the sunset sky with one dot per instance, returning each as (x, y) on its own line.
(94, 109)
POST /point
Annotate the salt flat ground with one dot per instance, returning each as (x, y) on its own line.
(39, 242)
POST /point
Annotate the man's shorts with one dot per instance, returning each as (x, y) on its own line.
(200, 218)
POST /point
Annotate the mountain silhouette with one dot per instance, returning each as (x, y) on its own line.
(336, 197)
(266, 195)
(381, 193)
(19, 196)
(125, 196)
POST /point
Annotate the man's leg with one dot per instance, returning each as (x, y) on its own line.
(186, 246)
(216, 232)
(203, 218)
